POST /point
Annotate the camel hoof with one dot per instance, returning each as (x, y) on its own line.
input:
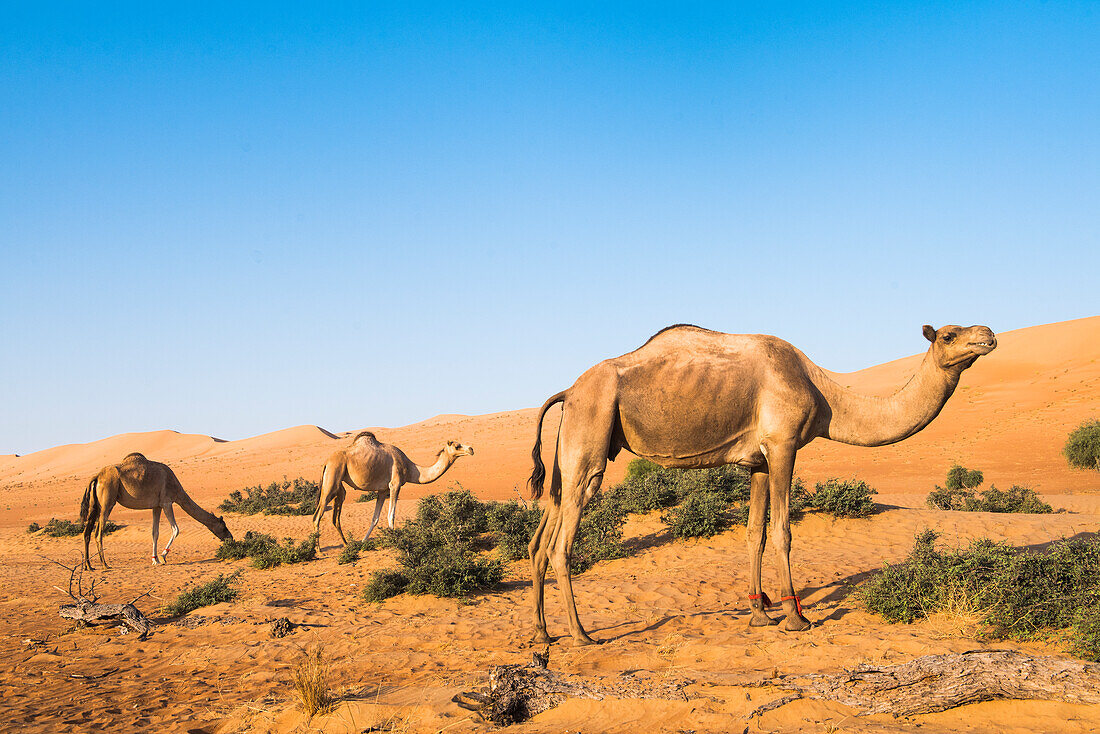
(541, 638)
(797, 624)
(762, 620)
(583, 641)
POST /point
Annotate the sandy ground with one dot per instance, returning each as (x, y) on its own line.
(672, 608)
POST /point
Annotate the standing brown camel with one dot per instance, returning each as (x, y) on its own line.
(692, 398)
(372, 466)
(139, 484)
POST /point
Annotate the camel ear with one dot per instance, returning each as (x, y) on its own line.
(929, 333)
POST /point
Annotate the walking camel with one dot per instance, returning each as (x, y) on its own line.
(139, 484)
(693, 398)
(372, 466)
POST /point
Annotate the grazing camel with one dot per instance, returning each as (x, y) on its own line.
(372, 466)
(139, 484)
(693, 398)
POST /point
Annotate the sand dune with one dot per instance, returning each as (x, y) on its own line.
(401, 661)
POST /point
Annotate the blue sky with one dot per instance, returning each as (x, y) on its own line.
(231, 220)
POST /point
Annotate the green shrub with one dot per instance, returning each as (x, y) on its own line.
(266, 552)
(1016, 594)
(384, 584)
(514, 523)
(959, 477)
(214, 591)
(67, 528)
(1082, 449)
(297, 497)
(350, 552)
(455, 516)
(700, 515)
(437, 550)
(638, 468)
(850, 498)
(33, 527)
(959, 494)
(1014, 499)
(366, 497)
(942, 498)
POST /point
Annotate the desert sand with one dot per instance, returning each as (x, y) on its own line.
(672, 608)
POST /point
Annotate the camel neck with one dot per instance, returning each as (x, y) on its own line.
(192, 508)
(863, 420)
(425, 474)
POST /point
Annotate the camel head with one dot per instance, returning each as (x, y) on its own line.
(454, 449)
(957, 347)
(219, 528)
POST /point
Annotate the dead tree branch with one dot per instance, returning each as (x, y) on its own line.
(939, 682)
(87, 609)
(518, 692)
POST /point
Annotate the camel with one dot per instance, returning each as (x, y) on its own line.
(693, 398)
(372, 466)
(139, 484)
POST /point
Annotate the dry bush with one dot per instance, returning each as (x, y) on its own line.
(311, 682)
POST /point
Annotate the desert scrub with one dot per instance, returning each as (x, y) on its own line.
(1017, 594)
(648, 486)
(350, 552)
(1082, 449)
(513, 522)
(266, 552)
(843, 498)
(437, 551)
(215, 591)
(67, 528)
(384, 584)
(700, 515)
(297, 497)
(959, 494)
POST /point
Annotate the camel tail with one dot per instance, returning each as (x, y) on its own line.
(89, 505)
(538, 476)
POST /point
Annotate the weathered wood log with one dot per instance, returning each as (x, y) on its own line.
(93, 613)
(939, 682)
(518, 692)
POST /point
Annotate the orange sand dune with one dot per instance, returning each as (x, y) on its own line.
(670, 608)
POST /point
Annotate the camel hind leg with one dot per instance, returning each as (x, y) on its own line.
(338, 512)
(332, 477)
(106, 505)
(539, 552)
(588, 420)
(89, 529)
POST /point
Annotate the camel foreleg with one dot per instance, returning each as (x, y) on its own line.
(156, 535)
(758, 510)
(780, 474)
(170, 514)
(378, 500)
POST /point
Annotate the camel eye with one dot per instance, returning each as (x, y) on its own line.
(949, 337)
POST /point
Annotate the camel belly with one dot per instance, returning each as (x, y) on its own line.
(690, 414)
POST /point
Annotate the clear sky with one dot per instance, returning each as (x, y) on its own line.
(234, 218)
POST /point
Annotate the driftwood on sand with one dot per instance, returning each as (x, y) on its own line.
(924, 685)
(87, 609)
(518, 692)
(934, 683)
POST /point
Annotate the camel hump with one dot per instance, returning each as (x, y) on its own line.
(134, 455)
(677, 326)
(364, 434)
